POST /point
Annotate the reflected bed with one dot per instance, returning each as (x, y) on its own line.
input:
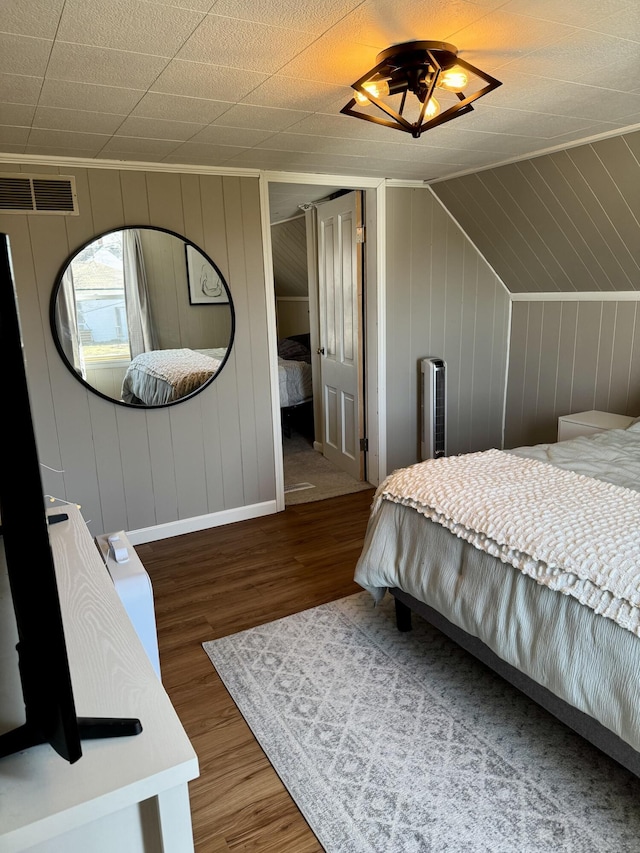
(160, 377)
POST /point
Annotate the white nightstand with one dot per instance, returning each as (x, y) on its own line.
(588, 423)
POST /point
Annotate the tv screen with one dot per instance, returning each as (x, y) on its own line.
(50, 715)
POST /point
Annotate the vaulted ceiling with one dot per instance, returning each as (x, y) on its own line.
(247, 84)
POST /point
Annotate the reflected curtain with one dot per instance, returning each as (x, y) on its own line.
(136, 294)
(67, 323)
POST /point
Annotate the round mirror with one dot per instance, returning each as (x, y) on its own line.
(142, 316)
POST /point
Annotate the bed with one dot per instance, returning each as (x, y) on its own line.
(295, 383)
(529, 559)
(159, 377)
(294, 371)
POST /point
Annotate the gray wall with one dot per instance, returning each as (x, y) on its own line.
(442, 300)
(568, 221)
(289, 246)
(570, 357)
(131, 469)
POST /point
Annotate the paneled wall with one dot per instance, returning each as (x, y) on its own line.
(177, 323)
(133, 469)
(442, 300)
(568, 221)
(289, 245)
(570, 357)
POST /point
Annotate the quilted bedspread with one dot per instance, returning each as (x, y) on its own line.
(571, 532)
(162, 376)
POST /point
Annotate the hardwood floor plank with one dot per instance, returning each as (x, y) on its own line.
(212, 583)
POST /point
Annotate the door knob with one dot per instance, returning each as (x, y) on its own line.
(320, 350)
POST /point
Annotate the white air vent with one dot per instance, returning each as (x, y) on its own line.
(38, 194)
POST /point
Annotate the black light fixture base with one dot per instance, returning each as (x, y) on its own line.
(402, 55)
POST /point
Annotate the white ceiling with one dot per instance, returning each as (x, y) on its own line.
(259, 84)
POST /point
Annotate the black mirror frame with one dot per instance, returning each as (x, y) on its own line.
(58, 344)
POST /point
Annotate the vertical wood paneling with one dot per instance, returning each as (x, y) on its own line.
(587, 238)
(515, 379)
(521, 214)
(586, 352)
(163, 476)
(108, 468)
(418, 306)
(481, 432)
(590, 160)
(606, 243)
(289, 249)
(620, 398)
(240, 428)
(546, 393)
(134, 468)
(262, 391)
(568, 221)
(586, 356)
(466, 199)
(442, 300)
(402, 359)
(453, 335)
(605, 356)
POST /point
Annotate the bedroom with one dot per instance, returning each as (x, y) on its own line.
(550, 348)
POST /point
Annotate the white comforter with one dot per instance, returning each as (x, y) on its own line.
(573, 533)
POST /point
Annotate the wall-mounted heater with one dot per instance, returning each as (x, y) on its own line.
(433, 408)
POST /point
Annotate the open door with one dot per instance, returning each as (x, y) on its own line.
(340, 288)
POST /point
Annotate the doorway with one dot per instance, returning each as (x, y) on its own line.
(323, 445)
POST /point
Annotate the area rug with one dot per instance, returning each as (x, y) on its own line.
(396, 742)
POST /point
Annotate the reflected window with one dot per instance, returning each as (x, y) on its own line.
(98, 278)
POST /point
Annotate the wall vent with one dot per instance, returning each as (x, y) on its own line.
(433, 408)
(49, 194)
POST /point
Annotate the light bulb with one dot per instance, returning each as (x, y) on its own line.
(433, 108)
(378, 88)
(455, 79)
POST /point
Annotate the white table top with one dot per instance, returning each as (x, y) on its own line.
(41, 794)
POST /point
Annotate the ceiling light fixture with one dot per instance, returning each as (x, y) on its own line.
(419, 68)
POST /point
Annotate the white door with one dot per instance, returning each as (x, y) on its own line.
(340, 305)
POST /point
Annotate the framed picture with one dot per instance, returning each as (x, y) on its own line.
(206, 285)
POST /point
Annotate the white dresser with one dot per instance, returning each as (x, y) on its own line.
(124, 794)
(588, 423)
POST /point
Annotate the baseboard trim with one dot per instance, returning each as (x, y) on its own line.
(200, 522)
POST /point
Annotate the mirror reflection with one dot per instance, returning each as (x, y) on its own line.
(142, 316)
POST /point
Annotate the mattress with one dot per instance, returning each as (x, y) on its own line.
(295, 382)
(587, 660)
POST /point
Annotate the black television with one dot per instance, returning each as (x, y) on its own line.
(47, 692)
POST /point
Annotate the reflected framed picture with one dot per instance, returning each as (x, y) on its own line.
(206, 286)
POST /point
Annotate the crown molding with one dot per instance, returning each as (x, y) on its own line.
(574, 296)
(126, 165)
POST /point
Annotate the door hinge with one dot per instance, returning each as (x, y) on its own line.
(364, 444)
(360, 234)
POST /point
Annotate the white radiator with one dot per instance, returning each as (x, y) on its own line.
(433, 408)
(133, 586)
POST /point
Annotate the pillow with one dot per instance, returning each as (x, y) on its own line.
(293, 350)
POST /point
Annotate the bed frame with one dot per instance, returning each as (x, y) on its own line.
(590, 729)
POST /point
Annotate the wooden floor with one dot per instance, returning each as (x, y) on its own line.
(219, 581)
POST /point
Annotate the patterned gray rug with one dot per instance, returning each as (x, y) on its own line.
(392, 742)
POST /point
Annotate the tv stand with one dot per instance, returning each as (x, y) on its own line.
(124, 792)
(25, 736)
